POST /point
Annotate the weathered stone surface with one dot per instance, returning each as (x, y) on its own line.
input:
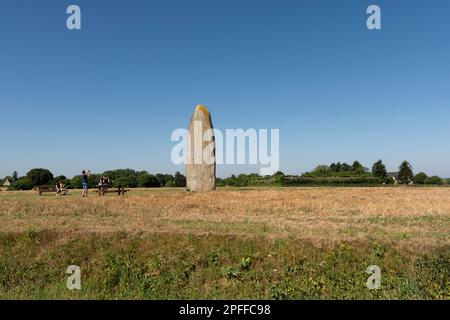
(200, 158)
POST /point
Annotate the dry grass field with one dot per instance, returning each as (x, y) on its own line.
(247, 243)
(411, 216)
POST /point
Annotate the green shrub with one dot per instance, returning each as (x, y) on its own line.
(21, 184)
(434, 180)
(331, 181)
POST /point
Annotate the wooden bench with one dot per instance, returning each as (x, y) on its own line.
(120, 191)
(42, 190)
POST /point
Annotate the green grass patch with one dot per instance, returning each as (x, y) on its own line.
(165, 266)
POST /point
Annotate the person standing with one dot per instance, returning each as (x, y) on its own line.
(102, 186)
(85, 182)
(58, 188)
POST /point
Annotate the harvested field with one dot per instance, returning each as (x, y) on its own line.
(412, 216)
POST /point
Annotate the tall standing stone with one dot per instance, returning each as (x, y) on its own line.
(201, 154)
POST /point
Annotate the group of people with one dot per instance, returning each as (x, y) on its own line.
(103, 184)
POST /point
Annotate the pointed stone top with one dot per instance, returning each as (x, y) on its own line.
(203, 109)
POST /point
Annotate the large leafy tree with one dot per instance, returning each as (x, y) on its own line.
(420, 178)
(39, 177)
(147, 180)
(180, 180)
(358, 168)
(379, 170)
(405, 174)
(321, 171)
(123, 177)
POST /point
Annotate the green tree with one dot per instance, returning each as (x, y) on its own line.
(169, 179)
(39, 177)
(405, 174)
(379, 170)
(321, 171)
(124, 177)
(434, 180)
(357, 166)
(147, 180)
(277, 177)
(62, 179)
(333, 167)
(126, 181)
(420, 178)
(15, 176)
(180, 180)
(161, 178)
(121, 173)
(21, 184)
(169, 184)
(346, 167)
(75, 182)
(94, 179)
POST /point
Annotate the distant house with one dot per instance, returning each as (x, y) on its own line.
(393, 176)
(6, 183)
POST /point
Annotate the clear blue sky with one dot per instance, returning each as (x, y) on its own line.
(110, 95)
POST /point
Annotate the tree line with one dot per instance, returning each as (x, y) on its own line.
(120, 178)
(378, 174)
(337, 174)
(334, 174)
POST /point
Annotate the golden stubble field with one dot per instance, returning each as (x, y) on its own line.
(415, 217)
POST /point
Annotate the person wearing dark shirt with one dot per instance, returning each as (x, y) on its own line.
(84, 182)
(103, 185)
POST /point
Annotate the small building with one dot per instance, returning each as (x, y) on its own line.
(393, 176)
(6, 183)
